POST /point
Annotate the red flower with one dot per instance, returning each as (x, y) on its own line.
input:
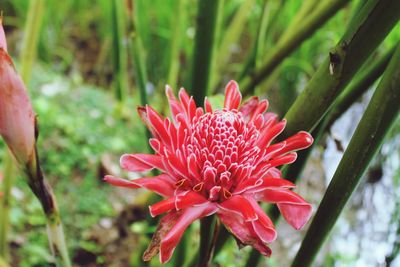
(221, 162)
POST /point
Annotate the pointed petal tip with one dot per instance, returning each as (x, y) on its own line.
(233, 97)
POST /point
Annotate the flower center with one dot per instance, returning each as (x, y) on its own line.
(223, 145)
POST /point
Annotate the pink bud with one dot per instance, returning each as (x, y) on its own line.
(3, 43)
(17, 120)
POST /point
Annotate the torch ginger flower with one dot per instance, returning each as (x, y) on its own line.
(218, 162)
(17, 119)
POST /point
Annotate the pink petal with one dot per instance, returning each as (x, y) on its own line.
(3, 42)
(174, 104)
(293, 207)
(157, 124)
(298, 141)
(263, 227)
(161, 184)
(171, 240)
(268, 134)
(239, 205)
(243, 231)
(178, 202)
(17, 119)
(248, 107)
(207, 106)
(282, 160)
(141, 162)
(261, 108)
(232, 96)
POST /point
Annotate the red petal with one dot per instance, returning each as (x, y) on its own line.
(178, 202)
(249, 107)
(243, 231)
(268, 134)
(207, 106)
(171, 240)
(157, 124)
(161, 184)
(263, 227)
(140, 162)
(174, 104)
(293, 207)
(298, 141)
(282, 160)
(232, 96)
(239, 205)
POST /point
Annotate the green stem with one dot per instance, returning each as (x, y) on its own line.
(207, 242)
(120, 56)
(289, 42)
(204, 48)
(44, 193)
(31, 38)
(377, 120)
(176, 25)
(292, 172)
(377, 17)
(359, 85)
(8, 175)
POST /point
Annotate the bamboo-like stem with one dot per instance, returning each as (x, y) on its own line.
(359, 86)
(5, 202)
(290, 42)
(377, 120)
(31, 38)
(204, 47)
(176, 26)
(120, 53)
(292, 172)
(44, 193)
(378, 17)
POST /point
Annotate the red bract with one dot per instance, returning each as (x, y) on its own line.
(17, 119)
(218, 162)
(3, 43)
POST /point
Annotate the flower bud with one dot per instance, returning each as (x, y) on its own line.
(17, 119)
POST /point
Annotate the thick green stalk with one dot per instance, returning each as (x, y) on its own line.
(290, 42)
(31, 37)
(5, 202)
(176, 26)
(293, 171)
(44, 193)
(377, 120)
(370, 27)
(204, 48)
(359, 86)
(120, 53)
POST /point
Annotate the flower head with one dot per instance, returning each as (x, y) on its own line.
(17, 119)
(218, 162)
